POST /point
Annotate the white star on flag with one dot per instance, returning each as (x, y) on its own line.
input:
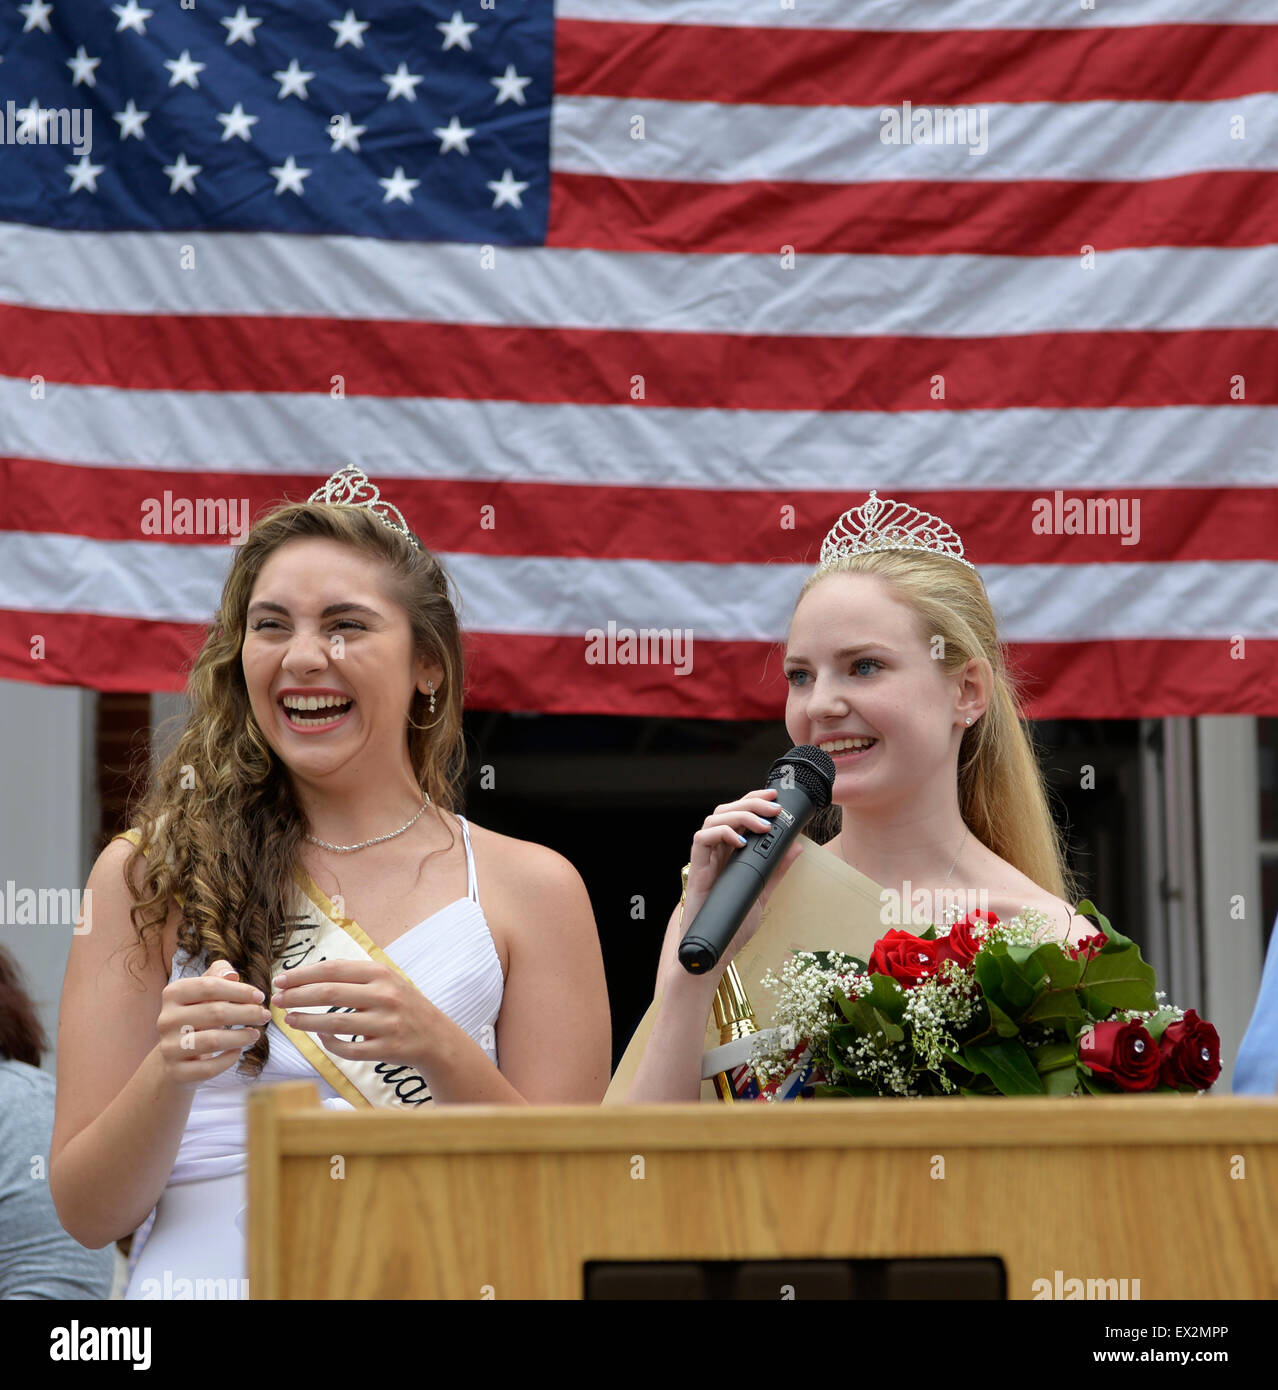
(288, 177)
(510, 86)
(31, 115)
(507, 190)
(457, 31)
(453, 136)
(398, 187)
(37, 13)
(182, 175)
(345, 133)
(402, 83)
(293, 80)
(349, 29)
(82, 68)
(240, 26)
(236, 124)
(84, 174)
(131, 16)
(131, 121)
(184, 69)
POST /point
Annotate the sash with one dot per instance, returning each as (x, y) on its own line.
(320, 932)
(820, 904)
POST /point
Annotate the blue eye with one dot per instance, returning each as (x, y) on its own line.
(866, 661)
(791, 676)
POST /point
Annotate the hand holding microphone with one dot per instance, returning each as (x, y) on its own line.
(722, 902)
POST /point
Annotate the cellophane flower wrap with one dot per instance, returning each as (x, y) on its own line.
(983, 1007)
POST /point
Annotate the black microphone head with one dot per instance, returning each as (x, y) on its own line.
(807, 767)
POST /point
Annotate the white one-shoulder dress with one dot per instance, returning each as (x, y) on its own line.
(193, 1245)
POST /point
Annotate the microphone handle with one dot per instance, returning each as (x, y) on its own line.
(742, 880)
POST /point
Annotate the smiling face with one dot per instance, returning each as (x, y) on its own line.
(860, 668)
(309, 594)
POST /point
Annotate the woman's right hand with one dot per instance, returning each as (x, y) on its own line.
(713, 845)
(198, 1039)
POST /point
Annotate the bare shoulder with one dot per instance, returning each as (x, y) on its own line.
(522, 866)
(112, 903)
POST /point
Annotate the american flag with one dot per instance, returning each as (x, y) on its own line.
(623, 302)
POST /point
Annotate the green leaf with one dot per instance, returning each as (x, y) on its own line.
(1008, 1066)
(1117, 941)
(1053, 1056)
(1117, 979)
(1055, 1006)
(1021, 981)
(1060, 970)
(869, 1022)
(1091, 1085)
(1157, 1025)
(1002, 981)
(1060, 1081)
(887, 996)
(1004, 1025)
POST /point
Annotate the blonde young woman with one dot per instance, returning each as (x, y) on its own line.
(894, 667)
(310, 904)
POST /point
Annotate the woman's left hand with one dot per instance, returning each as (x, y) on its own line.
(394, 1021)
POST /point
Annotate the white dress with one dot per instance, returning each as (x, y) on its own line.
(193, 1245)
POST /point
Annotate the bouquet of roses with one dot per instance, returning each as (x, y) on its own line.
(983, 1007)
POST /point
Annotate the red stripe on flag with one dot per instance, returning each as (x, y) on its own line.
(1049, 217)
(604, 367)
(844, 67)
(759, 526)
(1085, 680)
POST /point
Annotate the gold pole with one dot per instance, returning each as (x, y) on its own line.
(733, 1014)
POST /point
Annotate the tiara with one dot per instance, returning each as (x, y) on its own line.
(349, 487)
(882, 524)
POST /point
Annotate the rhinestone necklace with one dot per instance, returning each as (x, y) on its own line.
(363, 844)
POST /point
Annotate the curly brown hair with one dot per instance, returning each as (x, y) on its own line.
(218, 818)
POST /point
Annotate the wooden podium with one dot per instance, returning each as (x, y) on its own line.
(1178, 1192)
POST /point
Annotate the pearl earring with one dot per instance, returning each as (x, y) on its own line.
(431, 687)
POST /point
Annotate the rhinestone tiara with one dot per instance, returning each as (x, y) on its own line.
(879, 523)
(350, 487)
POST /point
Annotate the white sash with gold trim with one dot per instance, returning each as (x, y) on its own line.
(320, 932)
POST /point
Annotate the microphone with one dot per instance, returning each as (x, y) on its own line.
(804, 782)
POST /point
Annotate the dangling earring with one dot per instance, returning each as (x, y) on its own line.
(431, 687)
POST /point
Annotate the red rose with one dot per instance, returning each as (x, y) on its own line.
(1123, 1053)
(1088, 946)
(962, 943)
(1190, 1053)
(907, 959)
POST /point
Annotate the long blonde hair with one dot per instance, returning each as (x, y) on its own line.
(1001, 790)
(219, 819)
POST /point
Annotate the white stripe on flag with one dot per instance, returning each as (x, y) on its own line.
(313, 435)
(911, 15)
(557, 596)
(717, 143)
(1157, 287)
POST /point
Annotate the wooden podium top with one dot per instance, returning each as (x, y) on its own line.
(1172, 1196)
(1141, 1120)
